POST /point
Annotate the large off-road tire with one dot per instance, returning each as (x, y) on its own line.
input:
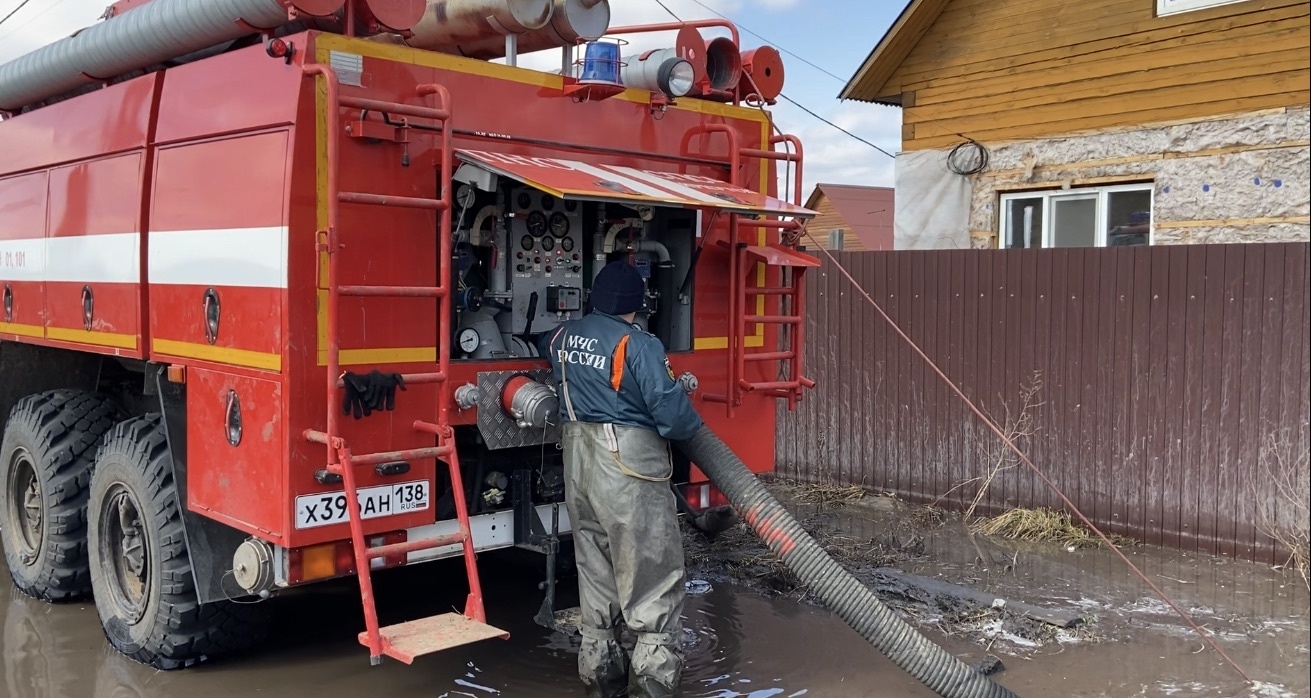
(144, 588)
(49, 447)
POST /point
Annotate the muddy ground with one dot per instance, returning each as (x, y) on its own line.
(1125, 642)
(752, 632)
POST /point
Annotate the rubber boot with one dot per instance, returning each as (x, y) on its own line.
(603, 665)
(609, 681)
(648, 687)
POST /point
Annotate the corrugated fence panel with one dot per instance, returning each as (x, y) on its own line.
(1161, 377)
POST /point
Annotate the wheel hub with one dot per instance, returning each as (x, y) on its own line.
(26, 516)
(128, 553)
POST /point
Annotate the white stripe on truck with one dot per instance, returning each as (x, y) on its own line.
(240, 257)
(23, 260)
(94, 259)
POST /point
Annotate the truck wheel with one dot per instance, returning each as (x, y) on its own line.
(49, 446)
(144, 589)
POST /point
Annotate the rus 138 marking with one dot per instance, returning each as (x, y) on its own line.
(328, 508)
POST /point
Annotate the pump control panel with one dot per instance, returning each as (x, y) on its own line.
(546, 252)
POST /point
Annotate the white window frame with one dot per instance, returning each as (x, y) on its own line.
(1048, 195)
(1165, 8)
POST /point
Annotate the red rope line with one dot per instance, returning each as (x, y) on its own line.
(1025, 459)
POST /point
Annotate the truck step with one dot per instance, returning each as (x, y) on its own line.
(416, 638)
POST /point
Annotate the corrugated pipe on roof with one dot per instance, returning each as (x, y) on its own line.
(159, 31)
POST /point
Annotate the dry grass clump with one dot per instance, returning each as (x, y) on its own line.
(828, 494)
(1043, 525)
(1282, 495)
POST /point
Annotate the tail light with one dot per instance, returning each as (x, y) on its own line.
(337, 559)
(704, 496)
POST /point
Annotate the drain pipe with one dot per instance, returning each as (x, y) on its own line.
(841, 592)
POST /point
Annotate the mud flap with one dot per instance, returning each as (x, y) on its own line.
(210, 544)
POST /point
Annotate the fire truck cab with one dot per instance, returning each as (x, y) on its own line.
(213, 234)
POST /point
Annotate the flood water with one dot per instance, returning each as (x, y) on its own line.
(746, 646)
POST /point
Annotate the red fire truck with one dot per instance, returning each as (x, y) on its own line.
(220, 218)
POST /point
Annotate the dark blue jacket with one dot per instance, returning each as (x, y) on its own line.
(618, 374)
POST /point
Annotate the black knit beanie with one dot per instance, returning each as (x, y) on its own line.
(617, 290)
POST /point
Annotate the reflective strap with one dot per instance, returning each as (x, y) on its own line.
(617, 363)
(598, 634)
(611, 438)
(564, 381)
(657, 639)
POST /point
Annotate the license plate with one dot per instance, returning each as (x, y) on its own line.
(328, 508)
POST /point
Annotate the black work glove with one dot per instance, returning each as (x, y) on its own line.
(368, 393)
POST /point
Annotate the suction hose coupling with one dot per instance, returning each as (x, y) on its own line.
(841, 592)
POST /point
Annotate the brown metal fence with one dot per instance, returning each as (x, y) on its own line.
(1172, 382)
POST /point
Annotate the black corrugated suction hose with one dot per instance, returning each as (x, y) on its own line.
(837, 588)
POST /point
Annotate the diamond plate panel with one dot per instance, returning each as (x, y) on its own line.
(498, 428)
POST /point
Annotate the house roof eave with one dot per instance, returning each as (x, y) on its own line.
(869, 80)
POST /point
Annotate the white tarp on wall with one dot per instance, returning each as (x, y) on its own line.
(932, 203)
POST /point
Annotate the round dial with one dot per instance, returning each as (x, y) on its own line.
(559, 225)
(524, 200)
(571, 206)
(527, 242)
(567, 244)
(548, 243)
(469, 340)
(537, 224)
(548, 202)
(464, 195)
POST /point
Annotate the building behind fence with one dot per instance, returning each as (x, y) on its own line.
(1167, 385)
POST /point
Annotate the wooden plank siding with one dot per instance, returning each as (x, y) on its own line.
(997, 70)
(1165, 371)
(827, 220)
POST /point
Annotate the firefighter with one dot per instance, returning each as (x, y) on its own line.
(621, 407)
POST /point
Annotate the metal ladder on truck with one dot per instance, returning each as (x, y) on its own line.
(412, 639)
(789, 296)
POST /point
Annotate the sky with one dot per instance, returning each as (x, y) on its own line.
(834, 35)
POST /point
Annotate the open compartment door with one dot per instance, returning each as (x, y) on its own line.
(580, 181)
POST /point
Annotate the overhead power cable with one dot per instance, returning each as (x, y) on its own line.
(771, 43)
(783, 50)
(14, 11)
(798, 105)
(671, 12)
(13, 31)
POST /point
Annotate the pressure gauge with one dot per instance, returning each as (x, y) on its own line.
(523, 199)
(548, 244)
(537, 224)
(559, 225)
(548, 202)
(570, 206)
(464, 195)
(567, 244)
(469, 340)
(527, 242)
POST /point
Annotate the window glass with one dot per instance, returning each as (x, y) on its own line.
(1128, 217)
(1074, 221)
(1024, 222)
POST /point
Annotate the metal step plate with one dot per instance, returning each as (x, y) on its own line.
(416, 638)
